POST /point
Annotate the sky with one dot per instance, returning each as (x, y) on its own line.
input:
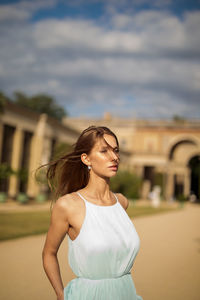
(134, 58)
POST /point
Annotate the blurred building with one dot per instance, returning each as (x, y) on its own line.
(27, 140)
(165, 153)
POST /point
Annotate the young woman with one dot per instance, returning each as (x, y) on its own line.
(102, 240)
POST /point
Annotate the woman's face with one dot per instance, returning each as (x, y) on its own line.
(104, 157)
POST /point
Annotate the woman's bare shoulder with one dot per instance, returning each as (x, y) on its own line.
(123, 200)
(66, 202)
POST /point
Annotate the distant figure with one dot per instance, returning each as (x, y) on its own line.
(102, 240)
(192, 197)
(155, 196)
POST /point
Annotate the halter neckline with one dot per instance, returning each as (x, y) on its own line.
(97, 204)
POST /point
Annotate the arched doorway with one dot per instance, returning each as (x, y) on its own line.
(181, 167)
(194, 164)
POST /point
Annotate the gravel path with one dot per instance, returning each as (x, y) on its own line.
(166, 268)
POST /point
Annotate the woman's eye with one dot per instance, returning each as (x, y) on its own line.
(104, 151)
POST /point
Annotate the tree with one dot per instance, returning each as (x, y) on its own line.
(41, 103)
(178, 119)
(129, 184)
(3, 99)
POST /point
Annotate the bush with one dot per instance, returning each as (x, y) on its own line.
(22, 175)
(22, 198)
(3, 197)
(126, 183)
(181, 198)
(5, 171)
(41, 198)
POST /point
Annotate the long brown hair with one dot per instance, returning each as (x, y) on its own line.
(68, 173)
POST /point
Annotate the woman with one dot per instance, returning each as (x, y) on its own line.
(102, 239)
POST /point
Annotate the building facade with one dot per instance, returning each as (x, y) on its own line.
(160, 152)
(27, 140)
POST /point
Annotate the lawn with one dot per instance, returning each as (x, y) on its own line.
(140, 211)
(19, 224)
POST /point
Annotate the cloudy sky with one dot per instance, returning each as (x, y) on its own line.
(134, 58)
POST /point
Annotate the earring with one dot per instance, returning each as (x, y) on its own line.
(89, 168)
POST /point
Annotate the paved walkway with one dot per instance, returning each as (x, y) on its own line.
(167, 266)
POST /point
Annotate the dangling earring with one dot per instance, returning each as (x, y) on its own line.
(89, 168)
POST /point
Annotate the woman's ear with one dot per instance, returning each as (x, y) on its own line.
(85, 159)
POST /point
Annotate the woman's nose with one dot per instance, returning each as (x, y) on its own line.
(115, 156)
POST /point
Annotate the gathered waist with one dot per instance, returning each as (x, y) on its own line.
(118, 287)
(104, 278)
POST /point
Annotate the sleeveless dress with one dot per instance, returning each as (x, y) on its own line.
(102, 255)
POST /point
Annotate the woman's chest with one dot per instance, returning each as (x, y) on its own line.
(110, 232)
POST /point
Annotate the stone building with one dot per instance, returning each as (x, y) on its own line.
(27, 140)
(161, 152)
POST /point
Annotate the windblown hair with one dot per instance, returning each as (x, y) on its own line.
(68, 173)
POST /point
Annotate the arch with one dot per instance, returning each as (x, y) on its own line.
(178, 144)
(181, 138)
(193, 154)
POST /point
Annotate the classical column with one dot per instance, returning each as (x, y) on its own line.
(146, 188)
(46, 152)
(139, 170)
(187, 182)
(16, 161)
(169, 192)
(36, 150)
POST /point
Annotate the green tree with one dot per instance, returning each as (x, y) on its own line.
(178, 119)
(41, 103)
(5, 171)
(3, 99)
(127, 183)
(61, 149)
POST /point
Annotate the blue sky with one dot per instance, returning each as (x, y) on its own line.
(134, 58)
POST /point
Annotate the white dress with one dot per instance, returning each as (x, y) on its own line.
(102, 255)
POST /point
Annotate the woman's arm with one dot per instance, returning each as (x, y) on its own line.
(57, 230)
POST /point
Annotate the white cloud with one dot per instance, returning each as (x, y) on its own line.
(8, 13)
(142, 64)
(22, 10)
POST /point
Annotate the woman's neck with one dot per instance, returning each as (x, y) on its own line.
(98, 188)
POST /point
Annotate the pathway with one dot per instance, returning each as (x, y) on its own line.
(167, 266)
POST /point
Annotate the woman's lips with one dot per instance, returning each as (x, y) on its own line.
(114, 168)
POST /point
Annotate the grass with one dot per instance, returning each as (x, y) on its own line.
(140, 211)
(20, 224)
